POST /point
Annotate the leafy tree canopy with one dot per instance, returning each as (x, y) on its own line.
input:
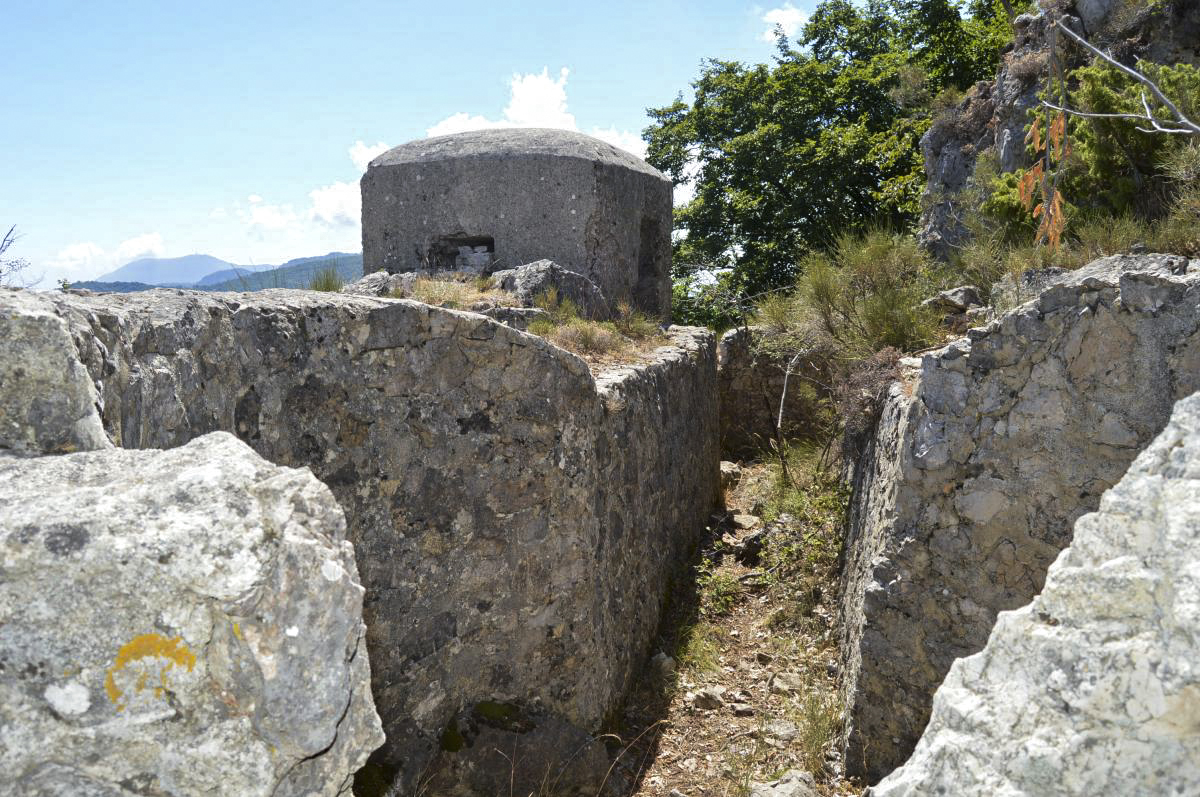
(825, 140)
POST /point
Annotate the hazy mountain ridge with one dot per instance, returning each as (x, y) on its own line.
(149, 273)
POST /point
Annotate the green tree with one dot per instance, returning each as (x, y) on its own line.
(785, 157)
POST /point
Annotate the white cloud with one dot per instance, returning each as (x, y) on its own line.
(254, 199)
(338, 205)
(88, 260)
(537, 100)
(78, 260)
(787, 17)
(147, 245)
(624, 139)
(362, 154)
(218, 213)
(268, 217)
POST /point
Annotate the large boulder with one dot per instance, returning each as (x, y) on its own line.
(1093, 688)
(181, 622)
(534, 280)
(984, 457)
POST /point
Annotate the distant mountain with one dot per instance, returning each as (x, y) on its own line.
(226, 274)
(185, 270)
(113, 287)
(298, 273)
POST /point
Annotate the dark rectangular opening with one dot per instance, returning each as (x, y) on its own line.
(463, 252)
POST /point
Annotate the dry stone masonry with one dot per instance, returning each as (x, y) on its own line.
(751, 384)
(498, 199)
(984, 458)
(515, 519)
(177, 622)
(1094, 687)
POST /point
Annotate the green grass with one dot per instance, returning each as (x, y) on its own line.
(699, 647)
(328, 280)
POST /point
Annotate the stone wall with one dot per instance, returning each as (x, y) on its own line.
(178, 622)
(750, 382)
(514, 521)
(1093, 687)
(983, 459)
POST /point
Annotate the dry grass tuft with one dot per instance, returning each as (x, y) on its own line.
(458, 291)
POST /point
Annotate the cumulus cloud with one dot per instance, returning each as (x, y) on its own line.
(787, 17)
(78, 260)
(362, 154)
(537, 100)
(148, 245)
(88, 260)
(261, 216)
(338, 205)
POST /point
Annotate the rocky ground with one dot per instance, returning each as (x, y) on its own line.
(743, 689)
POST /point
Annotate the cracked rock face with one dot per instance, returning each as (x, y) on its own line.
(1094, 687)
(982, 461)
(49, 403)
(178, 622)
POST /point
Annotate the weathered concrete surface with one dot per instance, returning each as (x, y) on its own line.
(981, 463)
(183, 622)
(514, 521)
(526, 194)
(751, 382)
(1094, 687)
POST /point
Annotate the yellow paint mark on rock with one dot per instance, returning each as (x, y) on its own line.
(162, 652)
(237, 631)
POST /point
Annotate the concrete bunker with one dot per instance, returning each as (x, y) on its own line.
(497, 199)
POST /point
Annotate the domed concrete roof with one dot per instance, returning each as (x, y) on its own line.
(513, 143)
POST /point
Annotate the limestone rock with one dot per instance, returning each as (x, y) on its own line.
(532, 280)
(516, 317)
(794, 783)
(179, 622)
(983, 458)
(955, 300)
(381, 283)
(731, 474)
(48, 403)
(994, 116)
(708, 698)
(1093, 687)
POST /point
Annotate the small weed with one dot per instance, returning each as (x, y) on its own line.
(819, 720)
(699, 647)
(327, 280)
(720, 591)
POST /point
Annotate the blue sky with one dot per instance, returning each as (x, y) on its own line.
(240, 129)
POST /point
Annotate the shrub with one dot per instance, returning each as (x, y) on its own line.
(866, 295)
